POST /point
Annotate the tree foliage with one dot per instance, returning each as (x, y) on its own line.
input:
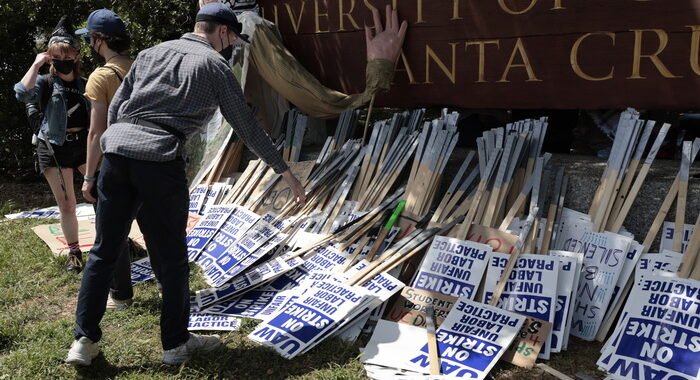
(26, 22)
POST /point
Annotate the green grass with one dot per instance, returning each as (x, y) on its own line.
(37, 302)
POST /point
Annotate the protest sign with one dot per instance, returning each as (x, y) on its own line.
(248, 305)
(603, 261)
(253, 278)
(531, 288)
(52, 235)
(669, 233)
(452, 267)
(259, 234)
(206, 228)
(516, 226)
(281, 194)
(528, 343)
(141, 271)
(83, 211)
(197, 198)
(660, 335)
(294, 328)
(569, 268)
(662, 263)
(206, 322)
(233, 228)
(212, 196)
(472, 339)
(410, 306)
(392, 345)
(499, 241)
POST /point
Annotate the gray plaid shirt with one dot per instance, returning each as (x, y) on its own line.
(180, 84)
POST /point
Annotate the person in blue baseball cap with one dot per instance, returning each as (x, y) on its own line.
(169, 94)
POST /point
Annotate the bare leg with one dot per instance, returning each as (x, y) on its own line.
(65, 199)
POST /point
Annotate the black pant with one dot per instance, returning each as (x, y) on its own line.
(160, 188)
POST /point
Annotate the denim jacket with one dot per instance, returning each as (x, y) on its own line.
(53, 125)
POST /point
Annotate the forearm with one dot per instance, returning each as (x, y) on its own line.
(29, 78)
(94, 153)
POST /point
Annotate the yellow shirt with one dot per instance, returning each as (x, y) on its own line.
(103, 82)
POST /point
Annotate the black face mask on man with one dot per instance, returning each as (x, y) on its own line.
(64, 67)
(95, 55)
(227, 52)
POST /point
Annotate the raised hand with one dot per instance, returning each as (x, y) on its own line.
(386, 43)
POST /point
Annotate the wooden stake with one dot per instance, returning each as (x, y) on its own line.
(682, 195)
(433, 352)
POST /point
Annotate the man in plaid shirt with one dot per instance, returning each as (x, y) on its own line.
(168, 95)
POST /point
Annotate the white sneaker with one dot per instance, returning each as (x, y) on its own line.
(196, 344)
(82, 351)
(115, 304)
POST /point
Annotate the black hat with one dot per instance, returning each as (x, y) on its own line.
(222, 14)
(64, 33)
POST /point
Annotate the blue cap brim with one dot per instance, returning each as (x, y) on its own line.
(81, 31)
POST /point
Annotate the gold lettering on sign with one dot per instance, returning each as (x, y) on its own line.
(369, 5)
(419, 10)
(574, 57)
(347, 14)
(695, 48)
(296, 21)
(406, 68)
(455, 10)
(509, 10)
(519, 49)
(430, 53)
(482, 56)
(318, 16)
(557, 5)
(636, 64)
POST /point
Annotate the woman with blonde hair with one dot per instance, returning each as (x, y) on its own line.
(63, 125)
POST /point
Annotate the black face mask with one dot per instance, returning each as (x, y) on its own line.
(96, 57)
(64, 67)
(227, 53)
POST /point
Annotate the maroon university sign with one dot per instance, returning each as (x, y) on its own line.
(510, 53)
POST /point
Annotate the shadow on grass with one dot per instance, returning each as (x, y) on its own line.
(239, 359)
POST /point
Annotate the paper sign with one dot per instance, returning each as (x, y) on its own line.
(233, 229)
(410, 307)
(206, 322)
(452, 267)
(52, 235)
(531, 288)
(472, 339)
(669, 234)
(281, 194)
(532, 336)
(393, 343)
(248, 305)
(658, 263)
(603, 261)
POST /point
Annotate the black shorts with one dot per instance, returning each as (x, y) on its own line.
(71, 154)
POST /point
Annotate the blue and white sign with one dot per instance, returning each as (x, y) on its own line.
(295, 327)
(207, 322)
(569, 270)
(232, 230)
(659, 337)
(141, 271)
(472, 339)
(669, 234)
(197, 197)
(248, 305)
(452, 267)
(205, 229)
(531, 288)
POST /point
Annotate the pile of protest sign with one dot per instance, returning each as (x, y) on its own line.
(446, 280)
